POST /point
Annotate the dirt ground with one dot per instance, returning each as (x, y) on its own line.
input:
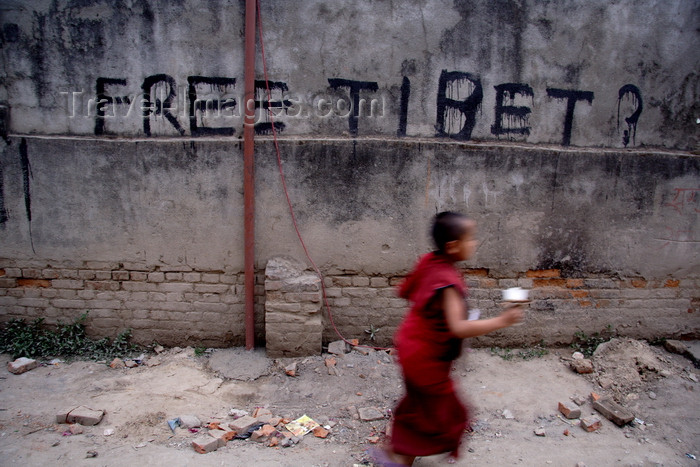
(511, 398)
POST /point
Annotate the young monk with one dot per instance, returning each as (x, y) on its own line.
(430, 419)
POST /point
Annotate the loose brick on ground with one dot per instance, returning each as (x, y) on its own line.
(569, 410)
(205, 444)
(590, 423)
(83, 415)
(613, 411)
(22, 365)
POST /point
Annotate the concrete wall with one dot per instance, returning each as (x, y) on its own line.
(514, 113)
(542, 72)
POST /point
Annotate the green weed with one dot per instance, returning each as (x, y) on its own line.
(34, 340)
(536, 351)
(587, 344)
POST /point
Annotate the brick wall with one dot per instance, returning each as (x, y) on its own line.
(560, 307)
(180, 306)
(171, 306)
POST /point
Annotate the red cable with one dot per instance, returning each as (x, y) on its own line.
(284, 186)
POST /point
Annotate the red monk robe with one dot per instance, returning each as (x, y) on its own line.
(430, 419)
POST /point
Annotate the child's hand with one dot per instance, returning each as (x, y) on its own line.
(513, 314)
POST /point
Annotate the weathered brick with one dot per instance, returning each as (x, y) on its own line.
(67, 284)
(138, 276)
(31, 273)
(33, 283)
(672, 283)
(613, 411)
(156, 277)
(205, 444)
(22, 365)
(86, 274)
(136, 266)
(175, 287)
(13, 272)
(34, 302)
(543, 273)
(102, 285)
(141, 286)
(215, 307)
(173, 276)
(569, 410)
(549, 282)
(68, 274)
(210, 278)
(211, 288)
(49, 274)
(476, 272)
(63, 303)
(120, 275)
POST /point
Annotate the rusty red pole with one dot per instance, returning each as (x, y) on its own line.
(249, 173)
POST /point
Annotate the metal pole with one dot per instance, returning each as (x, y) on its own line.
(249, 173)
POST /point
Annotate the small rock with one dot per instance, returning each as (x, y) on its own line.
(320, 432)
(130, 364)
(22, 365)
(540, 432)
(158, 349)
(368, 414)
(108, 432)
(605, 382)
(90, 454)
(582, 366)
(337, 347)
(236, 413)
(76, 429)
(508, 415)
(291, 369)
(578, 356)
(578, 400)
(373, 439)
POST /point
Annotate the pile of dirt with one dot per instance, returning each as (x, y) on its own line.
(626, 366)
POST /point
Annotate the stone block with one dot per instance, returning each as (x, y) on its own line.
(22, 365)
(83, 415)
(569, 410)
(613, 411)
(368, 414)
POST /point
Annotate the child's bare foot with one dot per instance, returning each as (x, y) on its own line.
(385, 457)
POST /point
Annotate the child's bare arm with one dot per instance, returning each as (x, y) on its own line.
(453, 304)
